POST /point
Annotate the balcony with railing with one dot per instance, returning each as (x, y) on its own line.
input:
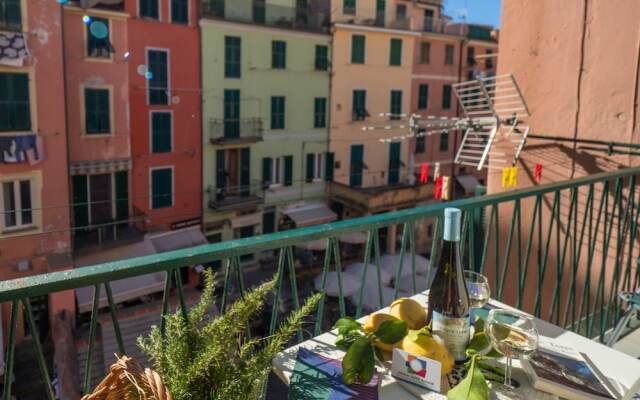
(235, 130)
(561, 251)
(309, 18)
(236, 197)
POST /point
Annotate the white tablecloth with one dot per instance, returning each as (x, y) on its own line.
(622, 370)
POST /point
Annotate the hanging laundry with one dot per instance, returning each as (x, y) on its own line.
(445, 188)
(438, 189)
(513, 176)
(16, 149)
(424, 173)
(13, 48)
(537, 173)
(436, 171)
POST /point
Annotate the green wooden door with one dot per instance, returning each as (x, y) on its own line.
(357, 157)
(245, 171)
(394, 163)
(80, 203)
(122, 195)
(220, 175)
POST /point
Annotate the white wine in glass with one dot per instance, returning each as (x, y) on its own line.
(478, 289)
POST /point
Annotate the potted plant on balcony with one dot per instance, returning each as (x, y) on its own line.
(205, 359)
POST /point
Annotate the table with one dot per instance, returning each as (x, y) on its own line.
(622, 370)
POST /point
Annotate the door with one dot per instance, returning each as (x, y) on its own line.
(221, 177)
(259, 11)
(380, 11)
(233, 173)
(231, 114)
(428, 20)
(245, 172)
(357, 157)
(100, 199)
(394, 163)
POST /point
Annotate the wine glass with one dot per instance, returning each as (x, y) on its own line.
(478, 288)
(512, 334)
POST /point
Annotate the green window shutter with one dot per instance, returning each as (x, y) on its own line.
(266, 171)
(277, 112)
(328, 166)
(98, 47)
(104, 119)
(349, 7)
(158, 69)
(446, 97)
(97, 111)
(268, 222)
(396, 104)
(311, 158)
(245, 171)
(444, 142)
(122, 195)
(278, 54)
(149, 8)
(420, 145)
(220, 173)
(80, 202)
(448, 54)
(320, 112)
(15, 110)
(90, 106)
(162, 188)
(357, 49)
(423, 97)
(359, 107)
(231, 113)
(180, 11)
(394, 162)
(11, 15)
(288, 170)
(232, 56)
(357, 158)
(6, 101)
(322, 60)
(161, 132)
(395, 52)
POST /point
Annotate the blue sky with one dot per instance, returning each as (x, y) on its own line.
(478, 11)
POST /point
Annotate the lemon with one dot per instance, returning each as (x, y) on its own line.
(429, 347)
(372, 324)
(409, 311)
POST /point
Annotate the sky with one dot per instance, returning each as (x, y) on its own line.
(477, 11)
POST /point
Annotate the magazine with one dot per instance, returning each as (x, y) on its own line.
(561, 370)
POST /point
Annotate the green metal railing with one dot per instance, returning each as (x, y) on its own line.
(578, 249)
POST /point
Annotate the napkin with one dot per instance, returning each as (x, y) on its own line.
(317, 377)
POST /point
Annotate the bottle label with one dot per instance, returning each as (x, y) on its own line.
(454, 332)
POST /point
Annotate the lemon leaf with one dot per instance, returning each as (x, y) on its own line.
(346, 325)
(390, 332)
(472, 387)
(358, 363)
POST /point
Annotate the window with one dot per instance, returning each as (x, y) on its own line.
(232, 47)
(428, 20)
(322, 61)
(15, 110)
(180, 11)
(395, 52)
(396, 104)
(314, 167)
(158, 65)
(162, 187)
(448, 54)
(357, 49)
(471, 55)
(11, 15)
(278, 54)
(149, 9)
(16, 204)
(425, 53)
(231, 113)
(277, 112)
(277, 171)
(446, 97)
(98, 46)
(161, 127)
(420, 144)
(444, 141)
(488, 61)
(401, 11)
(349, 7)
(359, 108)
(320, 112)
(394, 163)
(328, 166)
(423, 97)
(97, 111)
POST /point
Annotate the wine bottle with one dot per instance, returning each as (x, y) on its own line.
(448, 298)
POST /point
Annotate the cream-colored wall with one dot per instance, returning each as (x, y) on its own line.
(378, 79)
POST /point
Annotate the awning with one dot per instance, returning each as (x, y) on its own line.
(353, 238)
(132, 288)
(468, 183)
(99, 167)
(13, 49)
(317, 245)
(311, 214)
(246, 220)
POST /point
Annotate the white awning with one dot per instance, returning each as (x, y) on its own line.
(312, 214)
(246, 220)
(179, 239)
(353, 238)
(317, 245)
(468, 183)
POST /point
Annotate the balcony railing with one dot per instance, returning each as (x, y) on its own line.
(577, 248)
(236, 197)
(237, 130)
(263, 13)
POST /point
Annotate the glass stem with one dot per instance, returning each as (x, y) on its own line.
(507, 374)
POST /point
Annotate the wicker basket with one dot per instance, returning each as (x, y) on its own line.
(128, 380)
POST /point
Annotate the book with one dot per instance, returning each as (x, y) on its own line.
(565, 372)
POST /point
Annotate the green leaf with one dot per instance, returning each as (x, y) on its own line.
(414, 334)
(358, 363)
(345, 341)
(479, 342)
(346, 325)
(390, 332)
(472, 387)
